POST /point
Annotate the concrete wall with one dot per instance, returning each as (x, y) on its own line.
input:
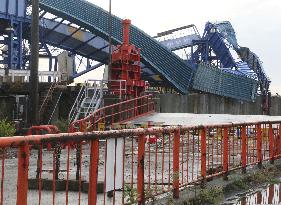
(213, 104)
(169, 103)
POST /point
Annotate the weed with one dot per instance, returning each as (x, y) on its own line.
(62, 124)
(212, 195)
(6, 128)
(130, 194)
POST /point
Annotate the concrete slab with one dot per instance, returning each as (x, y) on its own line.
(189, 119)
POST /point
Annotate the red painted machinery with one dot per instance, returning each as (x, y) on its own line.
(126, 66)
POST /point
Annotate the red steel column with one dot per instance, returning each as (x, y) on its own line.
(244, 149)
(22, 186)
(140, 182)
(93, 172)
(203, 153)
(176, 164)
(271, 144)
(225, 152)
(259, 145)
(126, 31)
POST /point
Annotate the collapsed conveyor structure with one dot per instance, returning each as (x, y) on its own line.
(222, 67)
(81, 28)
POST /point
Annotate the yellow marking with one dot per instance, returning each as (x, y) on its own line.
(79, 35)
(101, 126)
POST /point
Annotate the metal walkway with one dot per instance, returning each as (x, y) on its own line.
(159, 59)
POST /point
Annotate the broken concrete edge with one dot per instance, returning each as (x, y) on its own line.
(192, 192)
(60, 185)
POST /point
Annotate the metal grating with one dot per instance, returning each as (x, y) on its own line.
(216, 81)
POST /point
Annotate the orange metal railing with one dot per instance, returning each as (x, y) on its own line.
(137, 171)
(116, 113)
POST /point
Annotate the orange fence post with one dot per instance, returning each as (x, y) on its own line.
(279, 141)
(176, 164)
(225, 152)
(244, 149)
(259, 145)
(203, 153)
(140, 182)
(271, 144)
(93, 172)
(23, 164)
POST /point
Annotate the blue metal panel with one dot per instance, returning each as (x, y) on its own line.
(21, 8)
(12, 9)
(15, 8)
(219, 82)
(3, 5)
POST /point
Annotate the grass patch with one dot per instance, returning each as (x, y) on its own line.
(212, 195)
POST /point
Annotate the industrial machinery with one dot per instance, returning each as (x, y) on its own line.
(126, 65)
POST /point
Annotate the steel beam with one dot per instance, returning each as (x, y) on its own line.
(34, 117)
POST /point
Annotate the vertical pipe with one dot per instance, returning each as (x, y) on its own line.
(203, 154)
(140, 181)
(34, 117)
(271, 144)
(22, 185)
(126, 31)
(244, 149)
(93, 172)
(259, 146)
(176, 164)
(225, 152)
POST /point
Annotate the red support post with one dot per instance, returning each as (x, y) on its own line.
(23, 164)
(271, 144)
(93, 172)
(225, 152)
(140, 181)
(244, 149)
(259, 145)
(203, 154)
(176, 164)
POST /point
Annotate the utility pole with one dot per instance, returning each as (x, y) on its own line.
(34, 115)
(109, 41)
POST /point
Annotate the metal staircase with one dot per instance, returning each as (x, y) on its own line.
(90, 98)
(49, 101)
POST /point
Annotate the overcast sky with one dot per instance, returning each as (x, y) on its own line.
(257, 22)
